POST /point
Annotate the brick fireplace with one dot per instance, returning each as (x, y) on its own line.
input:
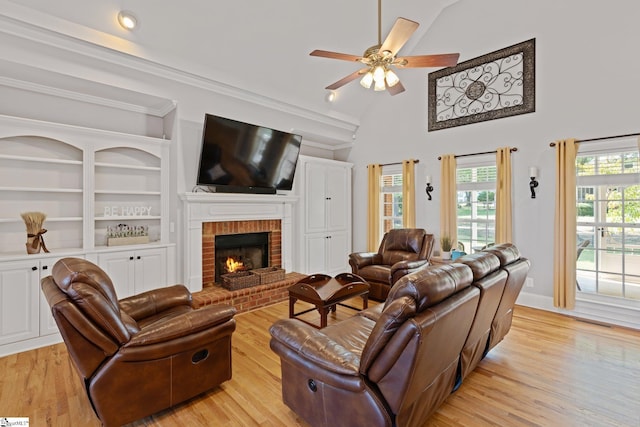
(205, 214)
(211, 230)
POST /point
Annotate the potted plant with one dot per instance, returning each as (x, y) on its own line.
(446, 244)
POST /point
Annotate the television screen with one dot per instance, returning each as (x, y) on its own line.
(238, 156)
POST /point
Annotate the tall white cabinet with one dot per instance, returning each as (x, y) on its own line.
(84, 180)
(323, 221)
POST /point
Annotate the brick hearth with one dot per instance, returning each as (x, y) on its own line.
(249, 298)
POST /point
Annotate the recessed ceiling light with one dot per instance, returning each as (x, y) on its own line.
(330, 96)
(127, 20)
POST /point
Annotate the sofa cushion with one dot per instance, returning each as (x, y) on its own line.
(377, 273)
(506, 253)
(481, 264)
(94, 294)
(431, 285)
(351, 333)
(413, 293)
(392, 317)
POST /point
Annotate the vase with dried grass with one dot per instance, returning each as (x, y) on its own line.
(33, 221)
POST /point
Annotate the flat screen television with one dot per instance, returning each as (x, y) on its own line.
(245, 158)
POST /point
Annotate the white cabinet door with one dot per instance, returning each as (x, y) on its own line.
(19, 301)
(337, 256)
(338, 184)
(150, 269)
(47, 323)
(120, 268)
(134, 272)
(315, 197)
(315, 253)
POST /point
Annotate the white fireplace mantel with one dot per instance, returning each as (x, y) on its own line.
(199, 208)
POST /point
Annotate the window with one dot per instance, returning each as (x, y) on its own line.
(608, 221)
(476, 185)
(391, 199)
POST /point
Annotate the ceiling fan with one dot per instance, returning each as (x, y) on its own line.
(379, 59)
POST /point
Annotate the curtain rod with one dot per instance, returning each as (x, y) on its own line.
(553, 144)
(478, 154)
(397, 163)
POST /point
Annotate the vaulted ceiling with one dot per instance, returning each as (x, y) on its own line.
(260, 46)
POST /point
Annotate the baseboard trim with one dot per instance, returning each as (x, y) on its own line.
(603, 312)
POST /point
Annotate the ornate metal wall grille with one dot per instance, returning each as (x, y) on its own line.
(499, 84)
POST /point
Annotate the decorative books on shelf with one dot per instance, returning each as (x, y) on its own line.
(123, 234)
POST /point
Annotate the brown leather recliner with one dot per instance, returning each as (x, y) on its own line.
(401, 251)
(395, 370)
(396, 363)
(141, 354)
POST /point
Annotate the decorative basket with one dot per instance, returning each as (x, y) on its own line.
(239, 280)
(269, 274)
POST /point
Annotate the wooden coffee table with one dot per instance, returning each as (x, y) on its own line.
(325, 292)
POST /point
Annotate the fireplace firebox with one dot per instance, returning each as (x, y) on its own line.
(240, 252)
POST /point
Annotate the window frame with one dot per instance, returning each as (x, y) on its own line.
(599, 226)
(390, 170)
(485, 223)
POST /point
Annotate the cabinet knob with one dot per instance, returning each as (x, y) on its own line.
(45, 267)
(130, 258)
(138, 257)
(34, 268)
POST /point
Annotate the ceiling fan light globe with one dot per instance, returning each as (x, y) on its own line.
(379, 86)
(367, 80)
(378, 75)
(392, 78)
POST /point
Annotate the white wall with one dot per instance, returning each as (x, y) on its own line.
(587, 85)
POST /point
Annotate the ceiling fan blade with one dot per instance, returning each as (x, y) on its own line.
(398, 36)
(396, 89)
(441, 60)
(335, 55)
(343, 81)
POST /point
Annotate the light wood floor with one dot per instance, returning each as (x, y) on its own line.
(550, 370)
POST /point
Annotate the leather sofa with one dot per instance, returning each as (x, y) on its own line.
(141, 354)
(396, 363)
(401, 251)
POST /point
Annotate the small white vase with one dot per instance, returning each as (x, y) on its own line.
(445, 255)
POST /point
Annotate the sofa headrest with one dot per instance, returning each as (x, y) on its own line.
(431, 285)
(481, 264)
(506, 253)
(91, 289)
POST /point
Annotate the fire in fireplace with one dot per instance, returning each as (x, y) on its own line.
(239, 252)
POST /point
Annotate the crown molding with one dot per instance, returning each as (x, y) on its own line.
(160, 111)
(97, 50)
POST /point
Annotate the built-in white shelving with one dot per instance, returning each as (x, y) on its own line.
(84, 180)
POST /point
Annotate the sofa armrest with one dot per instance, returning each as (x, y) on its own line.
(155, 301)
(358, 260)
(188, 323)
(316, 347)
(402, 268)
